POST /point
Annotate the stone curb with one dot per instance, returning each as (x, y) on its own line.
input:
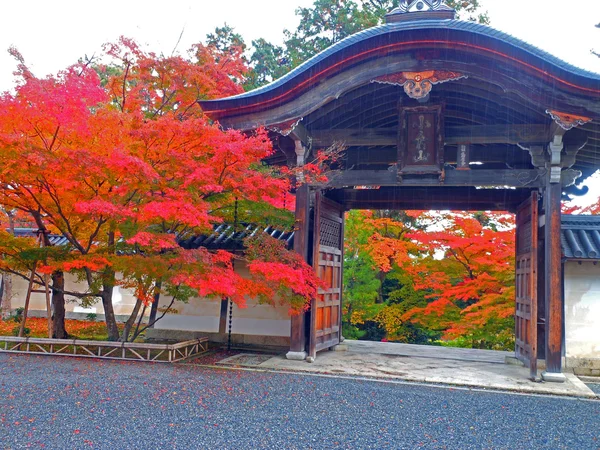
(416, 381)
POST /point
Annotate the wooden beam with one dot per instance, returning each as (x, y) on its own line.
(436, 198)
(356, 137)
(477, 134)
(478, 177)
(500, 153)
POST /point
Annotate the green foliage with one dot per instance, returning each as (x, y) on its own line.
(496, 334)
(470, 10)
(325, 23)
(268, 62)
(225, 41)
(361, 281)
(466, 297)
(17, 317)
(26, 331)
(352, 332)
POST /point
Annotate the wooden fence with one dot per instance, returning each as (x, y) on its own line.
(133, 351)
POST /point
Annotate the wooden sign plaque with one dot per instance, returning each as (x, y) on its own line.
(421, 141)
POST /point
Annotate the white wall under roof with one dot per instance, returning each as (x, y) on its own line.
(582, 310)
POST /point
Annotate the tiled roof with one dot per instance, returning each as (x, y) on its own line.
(55, 239)
(580, 237)
(226, 237)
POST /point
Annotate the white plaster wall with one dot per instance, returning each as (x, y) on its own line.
(201, 314)
(198, 314)
(582, 310)
(123, 299)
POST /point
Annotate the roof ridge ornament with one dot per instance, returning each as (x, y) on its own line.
(419, 5)
(420, 9)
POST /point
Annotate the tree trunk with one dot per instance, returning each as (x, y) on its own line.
(6, 293)
(349, 322)
(27, 299)
(131, 320)
(48, 305)
(109, 312)
(58, 301)
(136, 333)
(6, 296)
(107, 292)
(380, 298)
(155, 302)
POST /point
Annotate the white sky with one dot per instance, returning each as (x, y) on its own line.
(52, 34)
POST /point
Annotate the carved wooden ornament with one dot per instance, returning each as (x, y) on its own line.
(418, 85)
(285, 128)
(567, 121)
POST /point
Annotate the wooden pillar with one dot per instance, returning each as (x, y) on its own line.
(553, 255)
(541, 295)
(301, 241)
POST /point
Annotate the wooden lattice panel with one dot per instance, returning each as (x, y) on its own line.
(330, 233)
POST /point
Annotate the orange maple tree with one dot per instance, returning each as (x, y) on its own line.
(468, 270)
(450, 274)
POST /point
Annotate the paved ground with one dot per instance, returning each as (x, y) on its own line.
(56, 403)
(457, 366)
(595, 387)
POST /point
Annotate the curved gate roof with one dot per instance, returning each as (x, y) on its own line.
(390, 38)
(500, 80)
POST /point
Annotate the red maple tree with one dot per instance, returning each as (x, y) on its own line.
(121, 161)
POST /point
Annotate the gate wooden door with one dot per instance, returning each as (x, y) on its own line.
(526, 283)
(325, 324)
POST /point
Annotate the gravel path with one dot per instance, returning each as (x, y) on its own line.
(56, 403)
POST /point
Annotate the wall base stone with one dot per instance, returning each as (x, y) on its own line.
(579, 366)
(253, 342)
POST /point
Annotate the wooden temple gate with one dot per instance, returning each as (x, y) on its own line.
(328, 250)
(526, 265)
(446, 115)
